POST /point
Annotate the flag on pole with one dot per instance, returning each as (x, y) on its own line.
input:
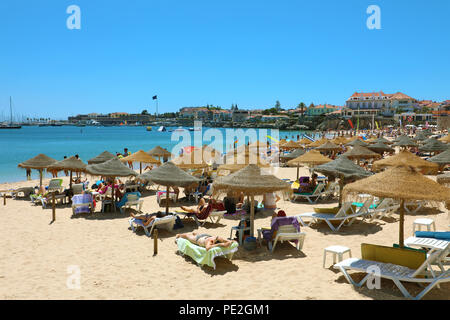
(351, 123)
(376, 123)
(155, 97)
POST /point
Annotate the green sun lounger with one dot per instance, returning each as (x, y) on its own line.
(204, 257)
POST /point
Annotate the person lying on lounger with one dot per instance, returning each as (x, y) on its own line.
(146, 220)
(200, 207)
(205, 240)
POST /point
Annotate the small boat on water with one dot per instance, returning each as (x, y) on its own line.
(10, 125)
(179, 129)
(162, 129)
(149, 128)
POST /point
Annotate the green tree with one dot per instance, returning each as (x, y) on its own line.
(144, 112)
(277, 105)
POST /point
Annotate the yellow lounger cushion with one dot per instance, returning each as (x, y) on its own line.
(403, 257)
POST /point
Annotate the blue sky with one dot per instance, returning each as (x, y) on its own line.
(199, 52)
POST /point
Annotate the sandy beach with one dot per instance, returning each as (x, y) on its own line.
(116, 263)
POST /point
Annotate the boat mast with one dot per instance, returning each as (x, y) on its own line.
(10, 108)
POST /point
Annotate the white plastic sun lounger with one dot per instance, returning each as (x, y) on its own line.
(214, 217)
(286, 233)
(166, 222)
(434, 245)
(132, 200)
(311, 197)
(395, 273)
(341, 216)
(384, 209)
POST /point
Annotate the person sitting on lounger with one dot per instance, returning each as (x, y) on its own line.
(146, 220)
(311, 185)
(204, 240)
(200, 207)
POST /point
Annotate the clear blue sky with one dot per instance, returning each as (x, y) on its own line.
(199, 52)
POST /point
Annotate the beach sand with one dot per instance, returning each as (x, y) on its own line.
(116, 263)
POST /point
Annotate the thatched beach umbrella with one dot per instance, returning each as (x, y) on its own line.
(404, 156)
(443, 179)
(251, 182)
(434, 145)
(318, 143)
(102, 157)
(445, 139)
(328, 146)
(111, 169)
(442, 159)
(357, 143)
(339, 140)
(235, 161)
(345, 170)
(71, 164)
(259, 145)
(359, 153)
(293, 154)
(311, 158)
(383, 140)
(403, 183)
(290, 145)
(420, 136)
(159, 152)
(404, 142)
(192, 160)
(169, 175)
(303, 141)
(142, 157)
(40, 162)
(380, 147)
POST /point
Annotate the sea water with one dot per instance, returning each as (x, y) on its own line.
(56, 142)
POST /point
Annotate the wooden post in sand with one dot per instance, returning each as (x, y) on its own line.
(4, 199)
(53, 207)
(155, 242)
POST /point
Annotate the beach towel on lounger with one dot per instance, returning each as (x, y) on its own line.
(82, 198)
(269, 234)
(203, 256)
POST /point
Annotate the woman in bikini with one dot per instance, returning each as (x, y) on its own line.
(204, 240)
(201, 205)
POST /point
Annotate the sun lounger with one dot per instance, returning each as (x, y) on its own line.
(312, 197)
(82, 203)
(213, 215)
(330, 190)
(205, 257)
(341, 216)
(24, 192)
(284, 232)
(385, 208)
(433, 245)
(166, 222)
(396, 273)
(55, 185)
(129, 200)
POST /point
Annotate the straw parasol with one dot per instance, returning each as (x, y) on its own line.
(102, 157)
(359, 152)
(443, 179)
(433, 145)
(303, 141)
(259, 145)
(251, 182)
(71, 164)
(111, 169)
(40, 162)
(383, 140)
(328, 146)
(420, 136)
(380, 147)
(291, 144)
(403, 183)
(311, 158)
(293, 154)
(357, 143)
(404, 156)
(339, 140)
(142, 157)
(344, 169)
(235, 161)
(159, 152)
(169, 175)
(404, 141)
(442, 158)
(445, 139)
(196, 159)
(318, 143)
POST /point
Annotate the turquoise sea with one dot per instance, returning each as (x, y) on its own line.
(57, 142)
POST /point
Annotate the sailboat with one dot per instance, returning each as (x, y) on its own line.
(10, 125)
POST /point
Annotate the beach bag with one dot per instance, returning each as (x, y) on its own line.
(178, 224)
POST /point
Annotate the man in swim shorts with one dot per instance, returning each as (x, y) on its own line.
(204, 240)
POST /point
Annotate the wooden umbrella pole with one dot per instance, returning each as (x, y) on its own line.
(40, 177)
(113, 195)
(341, 186)
(167, 200)
(298, 170)
(53, 207)
(140, 167)
(70, 181)
(401, 225)
(252, 216)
